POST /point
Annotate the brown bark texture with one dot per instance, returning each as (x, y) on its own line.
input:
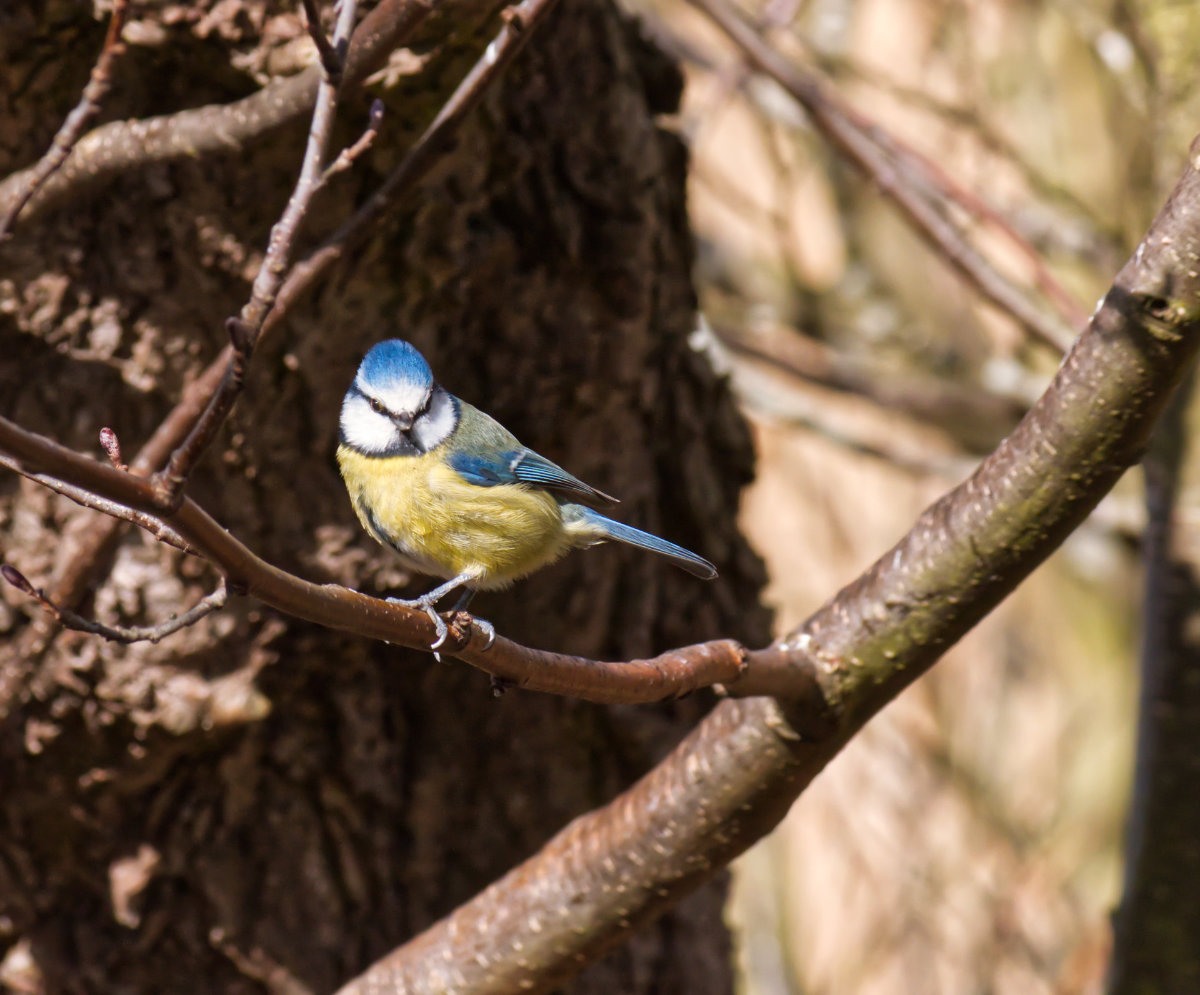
(259, 804)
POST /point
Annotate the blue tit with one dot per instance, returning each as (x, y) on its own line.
(455, 494)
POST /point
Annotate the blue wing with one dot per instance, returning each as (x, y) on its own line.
(523, 466)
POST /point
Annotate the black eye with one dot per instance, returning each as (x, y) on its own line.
(378, 408)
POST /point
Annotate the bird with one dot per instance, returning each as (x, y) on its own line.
(456, 495)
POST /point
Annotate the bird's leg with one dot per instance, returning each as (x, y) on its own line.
(427, 603)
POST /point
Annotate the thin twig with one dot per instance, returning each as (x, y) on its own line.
(929, 173)
(114, 509)
(425, 152)
(244, 328)
(1099, 231)
(856, 138)
(118, 633)
(346, 158)
(1071, 311)
(973, 416)
(71, 131)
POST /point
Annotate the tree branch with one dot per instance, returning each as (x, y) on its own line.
(120, 146)
(116, 511)
(245, 328)
(735, 776)
(672, 674)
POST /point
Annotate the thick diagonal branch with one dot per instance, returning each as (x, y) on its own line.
(733, 778)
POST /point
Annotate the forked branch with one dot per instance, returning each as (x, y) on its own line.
(244, 328)
(118, 633)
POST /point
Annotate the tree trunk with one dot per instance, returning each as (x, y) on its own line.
(259, 804)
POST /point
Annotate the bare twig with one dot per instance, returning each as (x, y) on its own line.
(346, 158)
(114, 509)
(971, 415)
(426, 151)
(244, 329)
(69, 134)
(949, 188)
(857, 139)
(1100, 232)
(118, 633)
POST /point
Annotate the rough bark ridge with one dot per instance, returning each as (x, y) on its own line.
(159, 831)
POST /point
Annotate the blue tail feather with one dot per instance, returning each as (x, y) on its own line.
(693, 564)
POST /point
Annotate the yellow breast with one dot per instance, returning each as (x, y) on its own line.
(445, 526)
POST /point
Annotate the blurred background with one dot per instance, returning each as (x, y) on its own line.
(969, 840)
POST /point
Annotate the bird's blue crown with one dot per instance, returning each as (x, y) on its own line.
(394, 363)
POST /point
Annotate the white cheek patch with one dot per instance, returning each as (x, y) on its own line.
(434, 427)
(364, 429)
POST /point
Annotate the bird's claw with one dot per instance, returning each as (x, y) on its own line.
(488, 630)
(441, 630)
